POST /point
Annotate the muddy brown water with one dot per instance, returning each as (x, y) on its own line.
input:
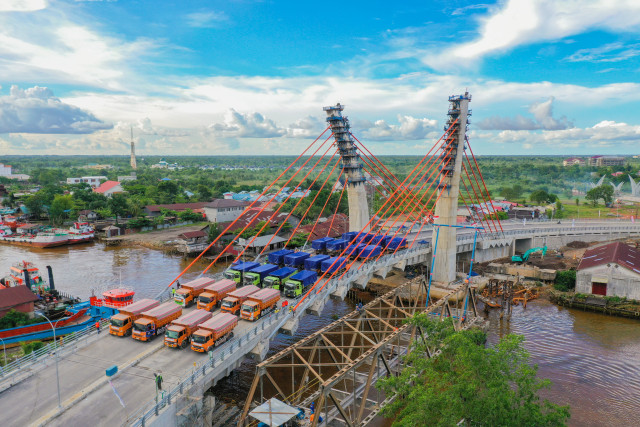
(593, 360)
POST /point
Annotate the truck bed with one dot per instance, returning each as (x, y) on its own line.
(140, 306)
(221, 286)
(199, 283)
(243, 292)
(163, 311)
(192, 319)
(220, 322)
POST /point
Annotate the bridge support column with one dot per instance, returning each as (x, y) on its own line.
(260, 351)
(316, 308)
(444, 270)
(291, 326)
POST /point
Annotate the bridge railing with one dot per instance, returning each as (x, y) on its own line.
(231, 349)
(64, 345)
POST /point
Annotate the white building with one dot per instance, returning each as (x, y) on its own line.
(223, 210)
(93, 181)
(5, 170)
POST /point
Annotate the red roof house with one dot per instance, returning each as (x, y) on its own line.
(109, 188)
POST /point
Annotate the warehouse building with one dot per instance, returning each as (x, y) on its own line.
(610, 270)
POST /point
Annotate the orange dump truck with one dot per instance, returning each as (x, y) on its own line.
(261, 303)
(233, 301)
(213, 294)
(180, 330)
(188, 293)
(122, 323)
(213, 332)
(154, 322)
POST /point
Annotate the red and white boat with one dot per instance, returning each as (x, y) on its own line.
(81, 232)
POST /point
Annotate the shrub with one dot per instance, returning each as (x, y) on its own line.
(29, 347)
(565, 280)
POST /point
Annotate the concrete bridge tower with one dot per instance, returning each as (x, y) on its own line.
(354, 178)
(444, 270)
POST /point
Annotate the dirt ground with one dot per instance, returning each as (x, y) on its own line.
(157, 239)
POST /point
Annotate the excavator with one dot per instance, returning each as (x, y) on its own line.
(525, 257)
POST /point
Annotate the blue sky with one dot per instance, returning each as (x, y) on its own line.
(251, 77)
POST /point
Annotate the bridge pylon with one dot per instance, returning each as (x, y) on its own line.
(352, 166)
(453, 146)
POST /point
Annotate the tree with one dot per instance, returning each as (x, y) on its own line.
(604, 192)
(298, 240)
(214, 231)
(495, 386)
(60, 208)
(35, 205)
(542, 197)
(118, 205)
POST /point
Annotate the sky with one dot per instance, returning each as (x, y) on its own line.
(244, 77)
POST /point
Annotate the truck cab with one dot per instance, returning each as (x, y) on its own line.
(120, 325)
(176, 336)
(276, 279)
(256, 275)
(250, 310)
(236, 273)
(296, 284)
(183, 297)
(230, 305)
(143, 329)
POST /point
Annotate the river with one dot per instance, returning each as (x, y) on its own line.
(593, 360)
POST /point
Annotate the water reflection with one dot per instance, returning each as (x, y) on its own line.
(593, 360)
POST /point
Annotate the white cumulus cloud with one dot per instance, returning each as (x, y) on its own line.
(408, 129)
(253, 125)
(37, 110)
(542, 119)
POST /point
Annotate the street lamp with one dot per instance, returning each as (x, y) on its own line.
(55, 347)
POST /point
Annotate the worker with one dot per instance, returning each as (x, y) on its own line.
(98, 326)
(158, 381)
(173, 292)
(178, 284)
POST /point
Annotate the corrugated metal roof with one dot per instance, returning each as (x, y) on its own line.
(616, 252)
(11, 297)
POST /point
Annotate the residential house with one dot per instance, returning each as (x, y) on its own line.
(257, 245)
(87, 215)
(192, 241)
(109, 188)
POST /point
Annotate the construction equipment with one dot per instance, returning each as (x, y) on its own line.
(525, 257)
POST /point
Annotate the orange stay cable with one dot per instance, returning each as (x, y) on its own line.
(480, 190)
(297, 204)
(264, 207)
(483, 183)
(313, 203)
(273, 215)
(250, 206)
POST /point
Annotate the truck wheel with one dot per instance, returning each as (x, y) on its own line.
(184, 344)
(231, 335)
(128, 333)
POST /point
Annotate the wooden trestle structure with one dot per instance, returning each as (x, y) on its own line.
(337, 366)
